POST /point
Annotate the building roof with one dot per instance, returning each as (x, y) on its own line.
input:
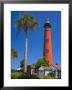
(42, 68)
(58, 66)
(52, 67)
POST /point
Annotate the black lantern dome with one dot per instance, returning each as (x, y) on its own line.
(47, 23)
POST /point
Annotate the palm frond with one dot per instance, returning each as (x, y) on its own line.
(26, 20)
(18, 24)
(34, 25)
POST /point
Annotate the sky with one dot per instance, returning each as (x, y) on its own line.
(36, 37)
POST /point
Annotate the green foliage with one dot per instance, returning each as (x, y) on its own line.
(13, 70)
(18, 75)
(26, 20)
(48, 77)
(22, 63)
(41, 62)
(34, 77)
(14, 53)
(51, 75)
(33, 65)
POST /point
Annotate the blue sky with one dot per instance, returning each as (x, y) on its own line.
(36, 38)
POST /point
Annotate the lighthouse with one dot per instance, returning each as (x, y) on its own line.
(47, 53)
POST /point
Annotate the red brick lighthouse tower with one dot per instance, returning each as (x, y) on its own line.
(47, 42)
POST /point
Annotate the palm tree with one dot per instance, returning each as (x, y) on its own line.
(27, 21)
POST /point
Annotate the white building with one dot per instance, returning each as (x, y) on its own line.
(56, 69)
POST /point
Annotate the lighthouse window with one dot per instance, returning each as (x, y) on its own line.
(46, 40)
(46, 50)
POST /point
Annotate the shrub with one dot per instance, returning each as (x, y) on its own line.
(34, 77)
(18, 75)
(51, 75)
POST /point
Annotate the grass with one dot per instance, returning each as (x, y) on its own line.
(49, 76)
(19, 75)
(46, 77)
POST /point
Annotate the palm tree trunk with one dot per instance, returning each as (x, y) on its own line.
(25, 52)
